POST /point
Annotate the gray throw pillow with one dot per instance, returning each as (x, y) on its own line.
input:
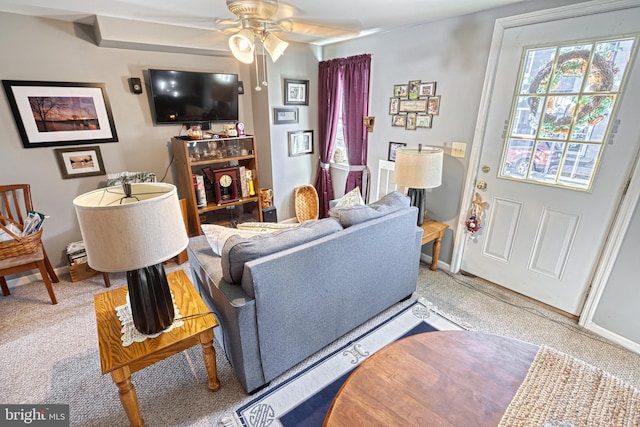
(348, 216)
(238, 250)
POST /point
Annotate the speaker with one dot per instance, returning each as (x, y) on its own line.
(136, 85)
(269, 214)
(240, 88)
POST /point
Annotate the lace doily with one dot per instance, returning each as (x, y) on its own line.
(129, 332)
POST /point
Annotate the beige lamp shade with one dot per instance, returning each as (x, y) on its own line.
(417, 168)
(127, 233)
(274, 46)
(242, 45)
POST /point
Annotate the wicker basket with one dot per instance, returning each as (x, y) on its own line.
(307, 203)
(20, 245)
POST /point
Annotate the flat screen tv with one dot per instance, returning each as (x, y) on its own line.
(191, 97)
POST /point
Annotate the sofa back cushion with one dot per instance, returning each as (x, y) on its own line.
(352, 215)
(238, 250)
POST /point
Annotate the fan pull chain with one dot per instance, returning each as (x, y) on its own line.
(264, 67)
(255, 57)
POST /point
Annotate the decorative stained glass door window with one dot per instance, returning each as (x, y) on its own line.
(562, 112)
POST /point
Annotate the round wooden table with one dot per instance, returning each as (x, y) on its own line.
(442, 378)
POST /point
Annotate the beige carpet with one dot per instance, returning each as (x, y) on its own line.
(50, 354)
(560, 390)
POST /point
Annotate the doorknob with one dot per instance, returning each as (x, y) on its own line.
(481, 185)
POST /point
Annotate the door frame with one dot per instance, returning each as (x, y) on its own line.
(627, 201)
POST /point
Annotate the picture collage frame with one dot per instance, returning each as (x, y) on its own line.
(414, 104)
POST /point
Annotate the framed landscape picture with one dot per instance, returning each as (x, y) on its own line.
(77, 162)
(60, 113)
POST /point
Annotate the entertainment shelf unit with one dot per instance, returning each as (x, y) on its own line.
(192, 156)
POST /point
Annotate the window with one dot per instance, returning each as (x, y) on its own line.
(340, 149)
(561, 114)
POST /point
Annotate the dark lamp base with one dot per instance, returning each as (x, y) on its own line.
(418, 198)
(150, 299)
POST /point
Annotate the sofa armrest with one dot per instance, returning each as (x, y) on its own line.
(234, 310)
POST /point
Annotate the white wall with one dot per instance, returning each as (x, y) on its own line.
(451, 52)
(454, 54)
(51, 50)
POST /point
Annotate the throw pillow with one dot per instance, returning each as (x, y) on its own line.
(348, 216)
(239, 250)
(352, 198)
(267, 226)
(217, 235)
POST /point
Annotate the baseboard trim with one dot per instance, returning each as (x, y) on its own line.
(441, 264)
(34, 276)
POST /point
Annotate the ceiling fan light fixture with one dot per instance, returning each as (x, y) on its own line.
(274, 46)
(242, 45)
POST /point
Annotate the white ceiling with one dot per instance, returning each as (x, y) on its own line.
(318, 21)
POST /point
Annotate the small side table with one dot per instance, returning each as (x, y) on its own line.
(121, 361)
(433, 231)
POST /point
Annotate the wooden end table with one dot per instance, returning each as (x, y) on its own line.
(443, 378)
(121, 361)
(433, 231)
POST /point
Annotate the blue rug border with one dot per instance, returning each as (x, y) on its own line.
(320, 361)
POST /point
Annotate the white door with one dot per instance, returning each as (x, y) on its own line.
(552, 192)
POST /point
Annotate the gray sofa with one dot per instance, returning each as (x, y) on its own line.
(289, 304)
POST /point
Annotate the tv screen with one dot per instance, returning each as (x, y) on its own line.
(193, 97)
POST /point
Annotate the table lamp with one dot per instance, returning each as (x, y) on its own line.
(417, 170)
(134, 228)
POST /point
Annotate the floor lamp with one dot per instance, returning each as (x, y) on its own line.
(417, 170)
(135, 228)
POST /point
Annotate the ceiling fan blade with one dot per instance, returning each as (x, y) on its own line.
(318, 29)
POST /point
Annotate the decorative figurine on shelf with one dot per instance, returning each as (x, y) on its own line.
(475, 216)
(249, 175)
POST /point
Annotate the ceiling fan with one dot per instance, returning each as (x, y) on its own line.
(255, 27)
(258, 21)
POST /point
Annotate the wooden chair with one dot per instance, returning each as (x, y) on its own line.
(15, 202)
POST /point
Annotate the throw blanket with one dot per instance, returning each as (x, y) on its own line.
(561, 391)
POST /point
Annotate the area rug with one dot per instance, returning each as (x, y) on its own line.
(562, 391)
(304, 399)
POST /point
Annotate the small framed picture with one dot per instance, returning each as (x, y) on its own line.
(296, 92)
(433, 106)
(80, 162)
(424, 120)
(300, 142)
(393, 146)
(285, 115)
(399, 120)
(394, 104)
(400, 91)
(427, 89)
(413, 89)
(411, 121)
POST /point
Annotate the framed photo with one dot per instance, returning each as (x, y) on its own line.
(400, 91)
(78, 162)
(394, 105)
(424, 120)
(393, 146)
(285, 115)
(399, 120)
(427, 89)
(300, 143)
(296, 92)
(434, 105)
(414, 89)
(60, 113)
(413, 106)
(411, 121)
